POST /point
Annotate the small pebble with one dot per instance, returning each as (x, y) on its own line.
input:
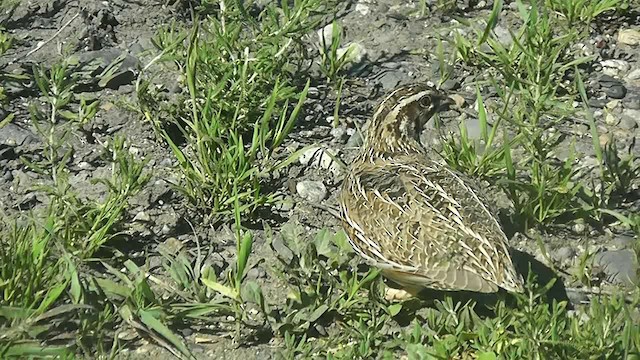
(563, 254)
(325, 34)
(363, 9)
(632, 100)
(634, 75)
(616, 92)
(355, 140)
(313, 92)
(450, 84)
(624, 241)
(352, 53)
(312, 191)
(629, 37)
(322, 158)
(339, 133)
(256, 273)
(613, 104)
(613, 67)
(628, 123)
(142, 216)
(611, 119)
(631, 114)
(459, 100)
(597, 103)
(604, 139)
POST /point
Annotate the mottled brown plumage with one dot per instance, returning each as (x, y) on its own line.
(423, 224)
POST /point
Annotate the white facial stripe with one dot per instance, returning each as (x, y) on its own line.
(393, 115)
(383, 105)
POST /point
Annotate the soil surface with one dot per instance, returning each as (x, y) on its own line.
(399, 49)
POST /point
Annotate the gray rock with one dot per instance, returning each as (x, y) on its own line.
(321, 158)
(632, 100)
(563, 254)
(256, 273)
(597, 103)
(631, 115)
(624, 241)
(611, 120)
(312, 191)
(353, 55)
(620, 266)
(390, 79)
(579, 228)
(628, 123)
(363, 9)
(325, 35)
(313, 92)
(339, 133)
(355, 140)
(612, 87)
(215, 261)
(608, 81)
(616, 91)
(450, 84)
(13, 135)
(503, 36)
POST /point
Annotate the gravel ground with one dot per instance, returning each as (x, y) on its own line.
(395, 46)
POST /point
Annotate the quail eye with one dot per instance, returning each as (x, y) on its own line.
(425, 102)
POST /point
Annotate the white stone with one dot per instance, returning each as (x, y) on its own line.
(141, 216)
(312, 191)
(614, 67)
(363, 9)
(629, 37)
(353, 53)
(634, 75)
(610, 119)
(321, 158)
(326, 34)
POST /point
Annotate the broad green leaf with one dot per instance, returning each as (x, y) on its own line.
(317, 313)
(156, 325)
(224, 290)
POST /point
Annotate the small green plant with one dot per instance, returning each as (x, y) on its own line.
(241, 103)
(238, 291)
(616, 175)
(41, 254)
(333, 58)
(465, 155)
(5, 44)
(530, 75)
(584, 11)
(323, 286)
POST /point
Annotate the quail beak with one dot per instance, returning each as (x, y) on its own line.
(445, 101)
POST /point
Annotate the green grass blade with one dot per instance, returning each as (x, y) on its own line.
(160, 328)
